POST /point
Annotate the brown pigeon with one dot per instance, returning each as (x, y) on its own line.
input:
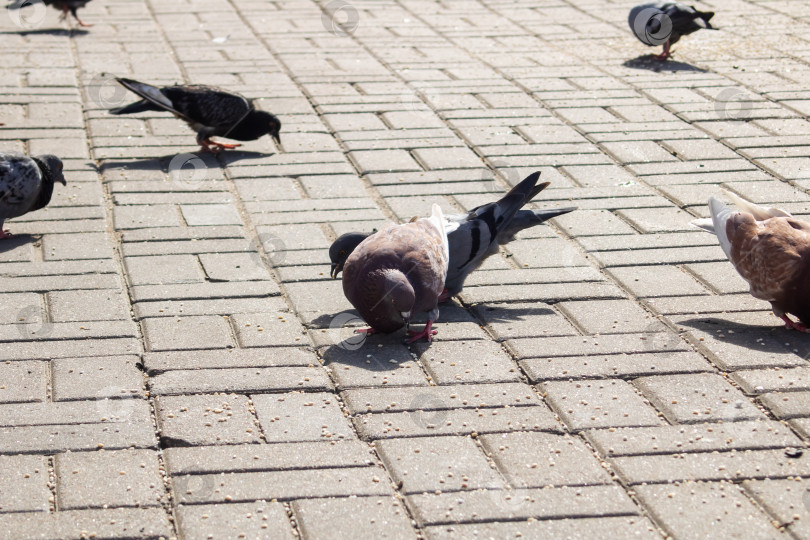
(398, 272)
(771, 251)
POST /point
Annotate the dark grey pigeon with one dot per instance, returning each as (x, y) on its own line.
(26, 184)
(66, 6)
(473, 236)
(398, 272)
(207, 110)
(663, 23)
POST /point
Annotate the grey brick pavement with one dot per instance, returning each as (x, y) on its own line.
(176, 363)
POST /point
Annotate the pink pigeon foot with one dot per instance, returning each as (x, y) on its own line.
(664, 55)
(214, 147)
(426, 333)
(5, 234)
(366, 331)
(792, 325)
(444, 297)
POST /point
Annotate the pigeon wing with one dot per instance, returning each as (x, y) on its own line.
(152, 94)
(208, 106)
(20, 182)
(768, 255)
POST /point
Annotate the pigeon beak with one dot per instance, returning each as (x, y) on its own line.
(277, 138)
(334, 271)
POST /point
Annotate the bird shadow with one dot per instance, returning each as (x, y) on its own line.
(773, 339)
(16, 241)
(649, 62)
(501, 313)
(58, 32)
(171, 161)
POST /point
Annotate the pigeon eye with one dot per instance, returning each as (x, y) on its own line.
(342, 252)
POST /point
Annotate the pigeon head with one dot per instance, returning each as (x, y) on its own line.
(54, 168)
(341, 248)
(386, 300)
(269, 124)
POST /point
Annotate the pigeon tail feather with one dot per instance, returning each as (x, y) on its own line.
(720, 216)
(149, 93)
(705, 224)
(760, 213)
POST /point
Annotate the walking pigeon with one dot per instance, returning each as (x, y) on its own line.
(771, 250)
(473, 236)
(66, 6)
(398, 272)
(26, 184)
(207, 110)
(664, 23)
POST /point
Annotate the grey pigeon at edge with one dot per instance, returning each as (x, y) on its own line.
(66, 6)
(398, 272)
(770, 249)
(474, 236)
(26, 184)
(663, 23)
(207, 110)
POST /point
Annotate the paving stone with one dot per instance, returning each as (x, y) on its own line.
(597, 346)
(108, 479)
(753, 435)
(268, 457)
(785, 499)
(452, 362)
(609, 316)
(735, 466)
(592, 404)
(544, 459)
(100, 305)
(96, 378)
(160, 362)
(700, 397)
(361, 517)
(187, 333)
(25, 484)
(198, 420)
(260, 520)
(164, 270)
(268, 329)
(564, 528)
(437, 463)
(611, 366)
(282, 485)
(524, 504)
(29, 382)
(758, 381)
(646, 281)
(301, 417)
(125, 523)
(697, 510)
(233, 267)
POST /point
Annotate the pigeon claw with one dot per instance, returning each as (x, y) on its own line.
(5, 234)
(427, 332)
(793, 325)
